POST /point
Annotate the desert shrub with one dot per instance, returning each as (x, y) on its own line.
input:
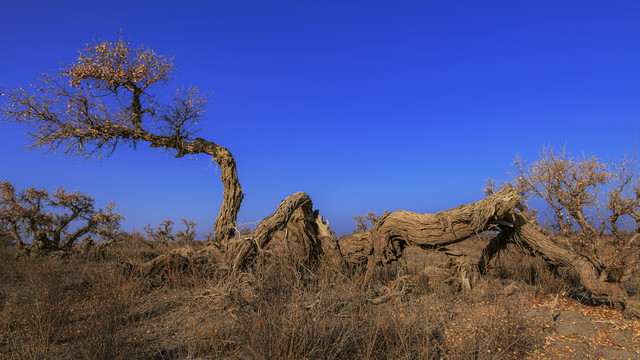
(47, 218)
(164, 234)
(590, 205)
(361, 221)
(187, 235)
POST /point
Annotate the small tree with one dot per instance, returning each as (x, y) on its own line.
(361, 221)
(163, 233)
(47, 218)
(105, 99)
(189, 233)
(586, 197)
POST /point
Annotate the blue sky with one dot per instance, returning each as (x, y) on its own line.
(366, 106)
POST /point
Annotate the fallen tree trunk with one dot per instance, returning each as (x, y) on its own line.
(525, 232)
(387, 241)
(296, 231)
(397, 230)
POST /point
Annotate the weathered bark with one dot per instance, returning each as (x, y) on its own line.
(400, 229)
(430, 231)
(496, 244)
(528, 234)
(293, 228)
(387, 241)
(242, 250)
(232, 196)
(356, 248)
(180, 259)
(296, 231)
(104, 135)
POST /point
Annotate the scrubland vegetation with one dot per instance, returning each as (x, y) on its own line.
(97, 306)
(65, 299)
(484, 280)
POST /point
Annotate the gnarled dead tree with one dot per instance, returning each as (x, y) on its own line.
(295, 230)
(387, 241)
(296, 225)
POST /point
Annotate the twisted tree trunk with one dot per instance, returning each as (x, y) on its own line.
(232, 196)
(528, 234)
(397, 230)
(386, 242)
(297, 231)
(293, 228)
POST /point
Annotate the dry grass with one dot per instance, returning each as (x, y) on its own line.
(95, 307)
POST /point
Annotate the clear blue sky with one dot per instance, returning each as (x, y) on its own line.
(365, 105)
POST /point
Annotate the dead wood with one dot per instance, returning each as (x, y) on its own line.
(496, 244)
(183, 259)
(387, 241)
(296, 231)
(396, 289)
(529, 235)
(356, 248)
(397, 230)
(293, 229)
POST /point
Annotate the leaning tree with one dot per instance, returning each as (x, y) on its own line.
(106, 99)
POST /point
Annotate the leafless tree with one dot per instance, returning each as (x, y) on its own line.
(47, 218)
(189, 233)
(163, 233)
(361, 221)
(586, 197)
(105, 99)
